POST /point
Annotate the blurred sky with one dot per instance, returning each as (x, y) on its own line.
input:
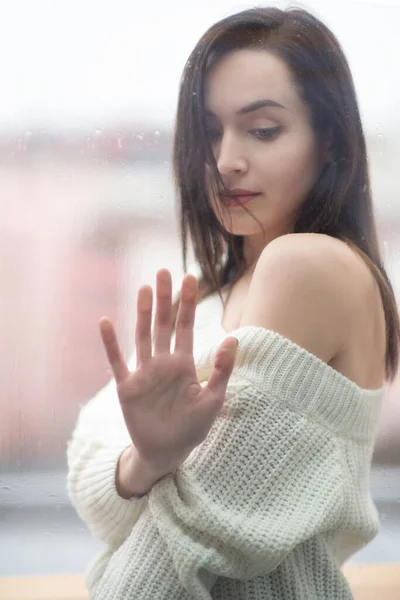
(92, 63)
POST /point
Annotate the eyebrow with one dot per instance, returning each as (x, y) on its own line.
(252, 107)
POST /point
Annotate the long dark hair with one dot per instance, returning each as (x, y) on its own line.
(339, 203)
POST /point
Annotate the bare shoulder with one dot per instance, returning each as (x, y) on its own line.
(300, 289)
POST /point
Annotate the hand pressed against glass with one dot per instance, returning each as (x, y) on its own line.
(166, 410)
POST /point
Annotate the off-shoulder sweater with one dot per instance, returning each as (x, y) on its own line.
(268, 507)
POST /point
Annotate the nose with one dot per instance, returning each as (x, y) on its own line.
(229, 156)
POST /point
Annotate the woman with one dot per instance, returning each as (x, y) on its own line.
(235, 465)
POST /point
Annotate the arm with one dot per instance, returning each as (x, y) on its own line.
(101, 478)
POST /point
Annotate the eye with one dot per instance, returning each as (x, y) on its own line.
(261, 133)
(266, 134)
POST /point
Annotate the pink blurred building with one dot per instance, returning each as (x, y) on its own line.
(64, 264)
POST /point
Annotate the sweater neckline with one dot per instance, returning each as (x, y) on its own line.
(343, 381)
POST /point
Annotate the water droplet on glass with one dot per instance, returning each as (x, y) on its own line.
(381, 143)
(140, 136)
(157, 133)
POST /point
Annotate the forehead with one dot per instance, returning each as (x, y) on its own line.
(244, 76)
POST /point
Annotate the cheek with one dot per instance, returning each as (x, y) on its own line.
(293, 170)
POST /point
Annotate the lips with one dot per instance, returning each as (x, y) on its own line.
(236, 199)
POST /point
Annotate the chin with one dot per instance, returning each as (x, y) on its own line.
(243, 230)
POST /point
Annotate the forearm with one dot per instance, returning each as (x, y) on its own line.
(133, 477)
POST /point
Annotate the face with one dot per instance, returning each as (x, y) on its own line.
(269, 150)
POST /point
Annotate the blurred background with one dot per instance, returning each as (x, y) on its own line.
(88, 215)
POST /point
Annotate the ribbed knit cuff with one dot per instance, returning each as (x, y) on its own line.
(94, 495)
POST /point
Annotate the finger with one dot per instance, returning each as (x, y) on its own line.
(186, 314)
(143, 324)
(223, 367)
(114, 355)
(163, 316)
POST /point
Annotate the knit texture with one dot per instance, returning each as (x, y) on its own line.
(268, 507)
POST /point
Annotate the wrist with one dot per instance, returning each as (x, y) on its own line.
(134, 476)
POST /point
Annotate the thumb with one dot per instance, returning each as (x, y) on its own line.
(223, 366)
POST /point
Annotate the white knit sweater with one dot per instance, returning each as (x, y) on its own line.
(268, 507)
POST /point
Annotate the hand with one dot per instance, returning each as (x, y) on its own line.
(166, 410)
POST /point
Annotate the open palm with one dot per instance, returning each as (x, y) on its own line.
(166, 410)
